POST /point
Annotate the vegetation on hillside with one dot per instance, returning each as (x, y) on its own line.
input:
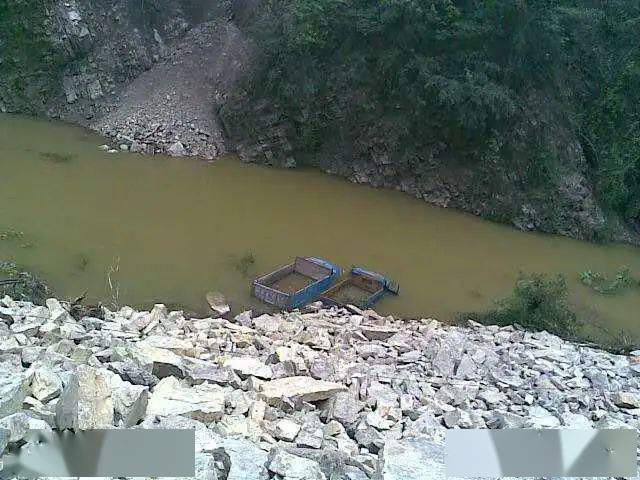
(502, 83)
(29, 60)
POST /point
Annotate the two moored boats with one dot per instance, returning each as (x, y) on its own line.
(310, 278)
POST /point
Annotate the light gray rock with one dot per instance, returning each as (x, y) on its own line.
(45, 385)
(178, 346)
(204, 402)
(86, 401)
(626, 399)
(129, 401)
(218, 303)
(374, 332)
(541, 418)
(426, 426)
(368, 437)
(177, 150)
(307, 388)
(344, 408)
(287, 430)
(311, 435)
(249, 366)
(130, 372)
(292, 467)
(158, 361)
(411, 459)
(246, 460)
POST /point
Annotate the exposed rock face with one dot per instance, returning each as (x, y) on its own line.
(372, 416)
(146, 73)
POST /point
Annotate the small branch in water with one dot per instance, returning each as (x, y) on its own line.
(114, 285)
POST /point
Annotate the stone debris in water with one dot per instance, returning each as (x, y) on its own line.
(218, 303)
(319, 395)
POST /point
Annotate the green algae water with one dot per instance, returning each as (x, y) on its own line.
(126, 228)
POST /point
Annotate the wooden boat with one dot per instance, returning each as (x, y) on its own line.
(296, 284)
(361, 288)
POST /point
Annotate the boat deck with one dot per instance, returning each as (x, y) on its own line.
(293, 282)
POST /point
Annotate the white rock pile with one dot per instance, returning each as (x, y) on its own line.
(336, 394)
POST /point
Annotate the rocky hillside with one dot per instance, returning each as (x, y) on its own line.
(326, 394)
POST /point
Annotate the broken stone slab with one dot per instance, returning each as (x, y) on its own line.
(292, 467)
(129, 401)
(249, 366)
(311, 435)
(218, 303)
(368, 437)
(426, 426)
(176, 345)
(374, 332)
(627, 400)
(159, 361)
(204, 402)
(57, 313)
(86, 401)
(411, 459)
(72, 331)
(267, 323)
(130, 372)
(287, 430)
(307, 388)
(243, 459)
(45, 385)
(199, 371)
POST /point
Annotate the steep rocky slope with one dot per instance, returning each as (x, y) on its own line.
(326, 394)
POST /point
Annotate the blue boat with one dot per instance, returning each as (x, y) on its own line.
(361, 288)
(296, 284)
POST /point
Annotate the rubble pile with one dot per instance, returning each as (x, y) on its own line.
(316, 395)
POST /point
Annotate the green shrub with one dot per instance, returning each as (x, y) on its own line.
(598, 281)
(538, 302)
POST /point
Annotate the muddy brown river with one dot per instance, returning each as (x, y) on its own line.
(165, 229)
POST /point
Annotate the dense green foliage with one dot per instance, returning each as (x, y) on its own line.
(28, 57)
(509, 82)
(599, 282)
(538, 302)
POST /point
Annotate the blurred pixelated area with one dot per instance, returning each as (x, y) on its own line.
(99, 453)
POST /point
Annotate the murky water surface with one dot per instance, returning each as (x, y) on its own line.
(172, 229)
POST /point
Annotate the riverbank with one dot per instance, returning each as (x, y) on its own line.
(328, 393)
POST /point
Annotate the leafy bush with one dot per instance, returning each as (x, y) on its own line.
(538, 302)
(599, 282)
